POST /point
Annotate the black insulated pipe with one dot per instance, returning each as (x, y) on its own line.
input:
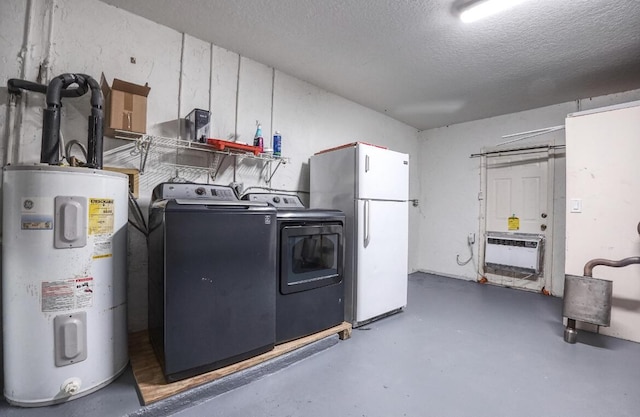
(55, 91)
(15, 87)
(49, 146)
(96, 124)
(49, 153)
(59, 83)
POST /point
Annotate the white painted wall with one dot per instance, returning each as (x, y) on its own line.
(311, 120)
(450, 183)
(603, 172)
(183, 73)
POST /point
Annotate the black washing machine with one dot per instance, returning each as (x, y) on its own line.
(212, 263)
(310, 254)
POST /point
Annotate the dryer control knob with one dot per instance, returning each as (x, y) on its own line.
(276, 199)
(200, 191)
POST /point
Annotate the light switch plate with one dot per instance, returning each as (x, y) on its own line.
(576, 205)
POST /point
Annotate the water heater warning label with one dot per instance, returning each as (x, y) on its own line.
(100, 216)
(68, 294)
(102, 247)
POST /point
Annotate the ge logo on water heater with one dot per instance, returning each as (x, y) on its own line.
(28, 204)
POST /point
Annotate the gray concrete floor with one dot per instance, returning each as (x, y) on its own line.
(459, 349)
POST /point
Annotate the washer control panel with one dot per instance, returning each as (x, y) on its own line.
(276, 200)
(185, 191)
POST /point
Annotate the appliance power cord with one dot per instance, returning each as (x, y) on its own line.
(463, 263)
(138, 218)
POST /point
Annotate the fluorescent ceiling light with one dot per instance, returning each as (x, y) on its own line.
(483, 8)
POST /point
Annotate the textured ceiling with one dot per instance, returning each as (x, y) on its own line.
(415, 60)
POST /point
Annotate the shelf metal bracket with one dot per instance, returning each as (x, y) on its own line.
(145, 144)
(216, 164)
(274, 170)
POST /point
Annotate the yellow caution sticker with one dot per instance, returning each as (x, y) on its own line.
(101, 216)
(513, 223)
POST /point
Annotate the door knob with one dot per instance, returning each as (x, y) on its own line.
(544, 216)
(543, 227)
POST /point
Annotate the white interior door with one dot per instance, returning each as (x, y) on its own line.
(517, 201)
(382, 256)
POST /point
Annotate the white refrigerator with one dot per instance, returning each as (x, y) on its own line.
(371, 186)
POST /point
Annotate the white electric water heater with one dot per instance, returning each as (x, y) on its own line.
(64, 266)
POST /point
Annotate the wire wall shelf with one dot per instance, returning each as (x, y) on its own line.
(155, 152)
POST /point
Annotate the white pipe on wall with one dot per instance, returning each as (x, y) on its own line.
(11, 122)
(44, 75)
(17, 110)
(14, 139)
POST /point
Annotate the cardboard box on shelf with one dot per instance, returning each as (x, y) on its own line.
(125, 106)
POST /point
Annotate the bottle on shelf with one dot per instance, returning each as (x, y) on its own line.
(258, 140)
(277, 144)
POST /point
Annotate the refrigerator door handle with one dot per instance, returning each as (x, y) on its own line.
(367, 236)
(366, 163)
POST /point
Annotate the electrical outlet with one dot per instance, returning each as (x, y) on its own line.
(471, 238)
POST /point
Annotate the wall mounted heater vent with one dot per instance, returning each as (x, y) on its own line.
(514, 252)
